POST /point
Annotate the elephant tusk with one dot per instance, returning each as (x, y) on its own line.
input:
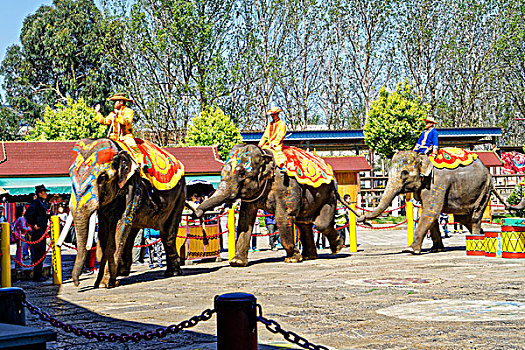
(65, 230)
(91, 230)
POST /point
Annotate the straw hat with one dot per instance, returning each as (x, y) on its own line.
(274, 110)
(120, 97)
(430, 120)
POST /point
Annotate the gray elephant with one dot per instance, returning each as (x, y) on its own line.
(249, 174)
(107, 180)
(464, 191)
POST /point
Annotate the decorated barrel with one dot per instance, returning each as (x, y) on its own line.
(491, 243)
(513, 238)
(475, 244)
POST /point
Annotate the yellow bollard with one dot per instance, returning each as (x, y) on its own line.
(57, 254)
(5, 249)
(231, 233)
(410, 222)
(352, 228)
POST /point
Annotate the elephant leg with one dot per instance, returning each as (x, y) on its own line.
(466, 220)
(437, 242)
(307, 239)
(324, 223)
(479, 209)
(101, 270)
(124, 264)
(168, 236)
(287, 232)
(247, 215)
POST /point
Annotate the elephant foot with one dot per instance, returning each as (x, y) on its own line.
(238, 262)
(296, 258)
(337, 248)
(107, 282)
(412, 251)
(173, 272)
(310, 257)
(437, 249)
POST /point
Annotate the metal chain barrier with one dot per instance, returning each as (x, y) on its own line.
(38, 262)
(124, 337)
(292, 337)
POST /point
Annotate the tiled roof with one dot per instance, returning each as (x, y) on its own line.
(490, 159)
(198, 159)
(358, 163)
(53, 158)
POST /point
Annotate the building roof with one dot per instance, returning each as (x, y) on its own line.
(349, 139)
(357, 163)
(490, 159)
(53, 158)
(198, 159)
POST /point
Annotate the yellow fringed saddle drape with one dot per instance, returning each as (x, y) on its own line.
(452, 157)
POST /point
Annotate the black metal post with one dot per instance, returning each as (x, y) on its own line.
(236, 321)
(13, 312)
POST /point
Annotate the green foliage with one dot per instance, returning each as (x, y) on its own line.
(515, 197)
(73, 121)
(213, 127)
(395, 121)
(63, 54)
(8, 124)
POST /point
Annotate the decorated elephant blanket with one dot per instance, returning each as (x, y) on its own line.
(452, 157)
(307, 168)
(164, 170)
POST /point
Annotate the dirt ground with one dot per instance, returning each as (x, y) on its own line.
(377, 298)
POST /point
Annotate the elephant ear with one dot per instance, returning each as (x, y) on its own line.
(426, 165)
(124, 166)
(267, 167)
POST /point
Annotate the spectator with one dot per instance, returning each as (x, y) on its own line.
(271, 224)
(139, 250)
(155, 249)
(443, 221)
(37, 216)
(20, 228)
(2, 216)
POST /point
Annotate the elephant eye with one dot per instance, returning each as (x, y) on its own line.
(404, 173)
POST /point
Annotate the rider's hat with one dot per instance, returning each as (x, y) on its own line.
(430, 120)
(120, 97)
(274, 110)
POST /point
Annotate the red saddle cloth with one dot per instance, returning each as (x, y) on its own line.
(164, 170)
(307, 168)
(452, 157)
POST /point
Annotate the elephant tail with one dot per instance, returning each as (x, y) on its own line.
(498, 195)
(338, 196)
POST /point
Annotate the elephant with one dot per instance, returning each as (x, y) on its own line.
(254, 179)
(106, 179)
(464, 191)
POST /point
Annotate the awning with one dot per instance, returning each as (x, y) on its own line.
(26, 185)
(213, 179)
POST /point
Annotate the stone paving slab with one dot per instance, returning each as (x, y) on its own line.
(337, 301)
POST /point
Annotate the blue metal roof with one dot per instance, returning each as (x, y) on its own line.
(358, 134)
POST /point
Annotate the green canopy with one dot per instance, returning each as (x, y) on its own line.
(26, 185)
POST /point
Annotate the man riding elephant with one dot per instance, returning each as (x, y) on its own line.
(273, 137)
(428, 142)
(121, 120)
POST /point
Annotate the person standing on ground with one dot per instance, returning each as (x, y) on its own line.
(20, 228)
(271, 224)
(37, 216)
(428, 142)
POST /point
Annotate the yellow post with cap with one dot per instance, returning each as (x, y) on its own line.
(231, 233)
(352, 228)
(57, 254)
(5, 249)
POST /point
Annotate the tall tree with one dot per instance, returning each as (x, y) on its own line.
(63, 54)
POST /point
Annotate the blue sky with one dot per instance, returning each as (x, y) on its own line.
(12, 14)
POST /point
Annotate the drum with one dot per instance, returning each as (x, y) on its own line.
(491, 243)
(513, 238)
(475, 244)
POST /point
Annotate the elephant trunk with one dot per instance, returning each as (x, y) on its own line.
(81, 230)
(519, 206)
(386, 199)
(222, 195)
